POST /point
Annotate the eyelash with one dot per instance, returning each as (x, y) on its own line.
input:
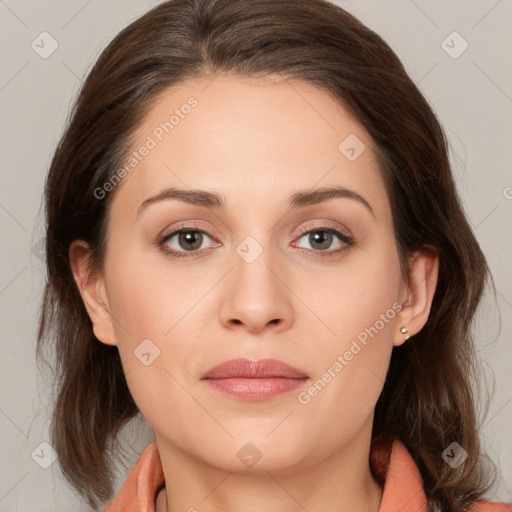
(347, 240)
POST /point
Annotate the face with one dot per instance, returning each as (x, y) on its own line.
(260, 267)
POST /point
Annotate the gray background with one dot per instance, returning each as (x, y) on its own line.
(471, 94)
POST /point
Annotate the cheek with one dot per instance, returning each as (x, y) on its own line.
(358, 308)
(355, 295)
(148, 317)
(147, 296)
(153, 308)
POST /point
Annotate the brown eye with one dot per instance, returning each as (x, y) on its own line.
(321, 239)
(183, 241)
(190, 240)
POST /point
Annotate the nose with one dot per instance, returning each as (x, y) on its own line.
(256, 296)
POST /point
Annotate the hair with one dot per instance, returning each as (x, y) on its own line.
(427, 400)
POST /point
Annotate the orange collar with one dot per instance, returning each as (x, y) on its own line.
(390, 461)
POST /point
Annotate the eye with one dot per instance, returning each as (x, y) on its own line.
(184, 240)
(321, 238)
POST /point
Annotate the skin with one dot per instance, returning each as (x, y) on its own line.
(255, 143)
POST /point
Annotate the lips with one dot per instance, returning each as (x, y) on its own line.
(263, 368)
(264, 379)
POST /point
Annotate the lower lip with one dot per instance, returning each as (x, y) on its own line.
(256, 389)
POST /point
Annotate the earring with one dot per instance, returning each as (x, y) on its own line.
(404, 330)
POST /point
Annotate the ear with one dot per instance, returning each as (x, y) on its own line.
(91, 286)
(417, 293)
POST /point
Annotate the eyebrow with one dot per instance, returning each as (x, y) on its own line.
(299, 199)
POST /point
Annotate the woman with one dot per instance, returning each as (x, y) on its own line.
(254, 239)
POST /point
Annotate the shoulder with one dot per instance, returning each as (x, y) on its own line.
(490, 506)
(394, 466)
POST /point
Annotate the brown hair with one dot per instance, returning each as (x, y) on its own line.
(427, 400)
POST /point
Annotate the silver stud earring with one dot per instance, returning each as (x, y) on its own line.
(404, 330)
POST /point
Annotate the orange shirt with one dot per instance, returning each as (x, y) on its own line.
(403, 485)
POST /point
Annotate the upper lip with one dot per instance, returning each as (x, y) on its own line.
(253, 369)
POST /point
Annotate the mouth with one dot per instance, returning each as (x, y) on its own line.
(254, 380)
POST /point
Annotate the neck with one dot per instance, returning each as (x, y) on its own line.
(340, 482)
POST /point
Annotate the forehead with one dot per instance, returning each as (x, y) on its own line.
(254, 141)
